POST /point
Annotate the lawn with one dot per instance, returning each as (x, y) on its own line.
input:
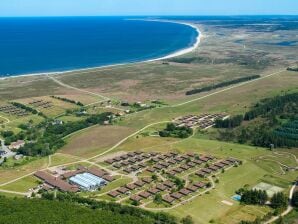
(8, 174)
(22, 185)
(14, 123)
(59, 159)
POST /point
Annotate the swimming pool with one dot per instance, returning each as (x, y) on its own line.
(236, 197)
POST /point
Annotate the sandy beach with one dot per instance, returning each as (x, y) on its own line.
(85, 70)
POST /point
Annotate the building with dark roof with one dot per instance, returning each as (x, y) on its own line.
(176, 195)
(161, 187)
(136, 198)
(131, 186)
(192, 188)
(147, 180)
(201, 173)
(108, 178)
(123, 190)
(140, 183)
(169, 184)
(168, 199)
(97, 172)
(151, 169)
(56, 182)
(109, 161)
(153, 190)
(145, 194)
(200, 184)
(114, 194)
(184, 191)
(178, 170)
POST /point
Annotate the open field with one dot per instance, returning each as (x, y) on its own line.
(22, 185)
(14, 123)
(8, 174)
(232, 101)
(59, 159)
(94, 140)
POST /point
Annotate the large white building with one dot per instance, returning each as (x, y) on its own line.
(87, 181)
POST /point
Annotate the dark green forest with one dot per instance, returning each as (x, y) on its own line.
(272, 122)
(37, 211)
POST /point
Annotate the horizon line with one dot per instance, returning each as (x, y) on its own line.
(214, 15)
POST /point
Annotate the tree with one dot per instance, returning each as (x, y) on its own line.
(253, 197)
(154, 177)
(187, 220)
(295, 199)
(279, 201)
(158, 198)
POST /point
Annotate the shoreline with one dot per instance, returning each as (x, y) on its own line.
(172, 55)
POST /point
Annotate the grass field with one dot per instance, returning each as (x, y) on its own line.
(22, 185)
(14, 123)
(95, 140)
(8, 174)
(59, 159)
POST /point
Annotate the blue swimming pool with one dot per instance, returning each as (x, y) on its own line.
(236, 197)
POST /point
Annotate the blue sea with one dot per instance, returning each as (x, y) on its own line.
(38, 45)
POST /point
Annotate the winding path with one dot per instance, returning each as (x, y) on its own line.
(5, 118)
(288, 210)
(78, 89)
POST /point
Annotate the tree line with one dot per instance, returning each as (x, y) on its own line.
(222, 84)
(28, 109)
(68, 100)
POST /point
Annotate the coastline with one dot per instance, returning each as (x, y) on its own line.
(84, 70)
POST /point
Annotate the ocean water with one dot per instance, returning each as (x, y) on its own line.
(37, 45)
